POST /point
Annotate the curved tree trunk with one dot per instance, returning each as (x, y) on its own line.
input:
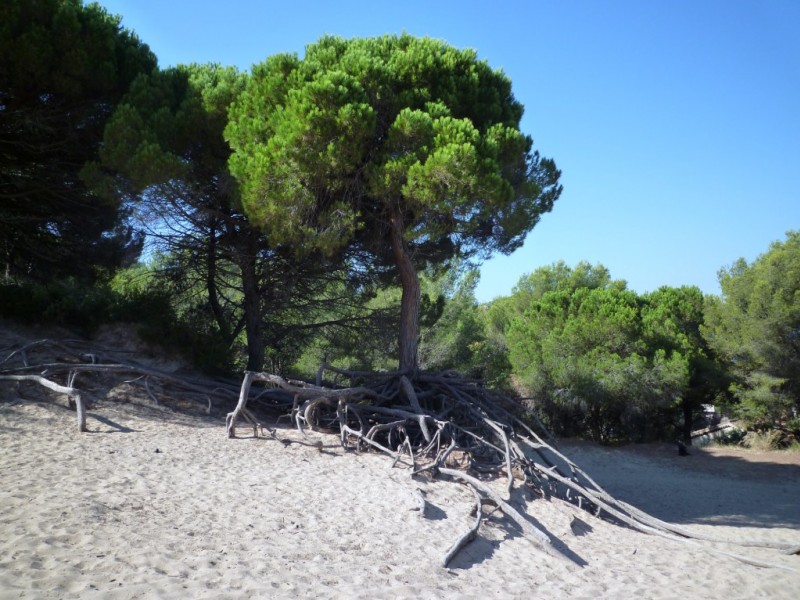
(410, 302)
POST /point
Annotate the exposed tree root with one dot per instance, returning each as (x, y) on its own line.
(429, 419)
(73, 395)
(465, 539)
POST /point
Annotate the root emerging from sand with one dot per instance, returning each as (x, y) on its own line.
(445, 425)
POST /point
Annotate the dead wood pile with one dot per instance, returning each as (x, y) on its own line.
(57, 365)
(445, 425)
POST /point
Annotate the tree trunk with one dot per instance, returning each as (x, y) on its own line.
(688, 417)
(410, 302)
(252, 306)
(211, 285)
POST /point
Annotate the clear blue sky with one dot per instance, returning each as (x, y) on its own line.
(676, 124)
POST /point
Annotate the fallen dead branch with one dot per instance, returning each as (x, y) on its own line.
(73, 395)
(465, 539)
(49, 363)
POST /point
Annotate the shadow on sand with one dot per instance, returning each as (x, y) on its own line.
(706, 487)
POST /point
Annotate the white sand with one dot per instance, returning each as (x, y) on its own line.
(103, 515)
(156, 504)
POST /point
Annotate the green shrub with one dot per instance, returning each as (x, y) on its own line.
(85, 308)
(65, 303)
(732, 436)
(772, 439)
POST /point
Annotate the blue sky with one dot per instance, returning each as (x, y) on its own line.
(676, 124)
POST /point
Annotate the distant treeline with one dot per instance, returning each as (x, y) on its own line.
(595, 359)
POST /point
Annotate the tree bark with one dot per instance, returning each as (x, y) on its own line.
(211, 284)
(252, 305)
(688, 417)
(411, 298)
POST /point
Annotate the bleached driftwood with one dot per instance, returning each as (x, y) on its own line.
(73, 395)
(76, 357)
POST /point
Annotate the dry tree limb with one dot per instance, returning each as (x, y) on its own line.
(379, 427)
(230, 418)
(409, 394)
(71, 362)
(465, 539)
(310, 409)
(50, 344)
(361, 437)
(687, 533)
(536, 535)
(647, 524)
(23, 352)
(72, 393)
(504, 437)
(149, 391)
(188, 387)
(406, 445)
(422, 504)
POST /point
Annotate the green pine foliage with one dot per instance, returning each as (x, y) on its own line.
(63, 68)
(602, 361)
(453, 338)
(402, 149)
(324, 146)
(755, 327)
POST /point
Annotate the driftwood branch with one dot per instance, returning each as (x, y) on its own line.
(72, 393)
(465, 539)
(533, 533)
(72, 362)
(230, 419)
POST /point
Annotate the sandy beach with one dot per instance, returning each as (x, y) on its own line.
(155, 503)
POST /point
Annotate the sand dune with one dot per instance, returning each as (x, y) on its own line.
(154, 504)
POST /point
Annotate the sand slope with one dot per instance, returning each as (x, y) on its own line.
(152, 504)
(155, 503)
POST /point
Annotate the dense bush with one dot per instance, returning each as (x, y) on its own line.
(601, 361)
(755, 327)
(581, 355)
(66, 303)
(83, 309)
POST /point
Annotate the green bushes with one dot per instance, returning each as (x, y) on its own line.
(583, 356)
(599, 360)
(755, 328)
(66, 303)
(84, 308)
